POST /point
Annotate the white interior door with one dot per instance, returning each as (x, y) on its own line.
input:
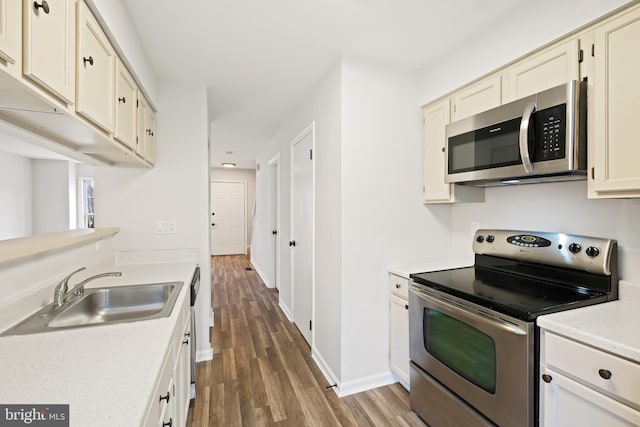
(274, 219)
(302, 232)
(228, 218)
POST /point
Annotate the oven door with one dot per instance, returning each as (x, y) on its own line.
(485, 358)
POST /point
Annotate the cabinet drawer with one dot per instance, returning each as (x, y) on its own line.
(591, 366)
(399, 286)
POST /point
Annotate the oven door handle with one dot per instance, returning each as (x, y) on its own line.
(470, 315)
(524, 137)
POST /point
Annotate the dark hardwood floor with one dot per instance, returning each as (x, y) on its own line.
(262, 373)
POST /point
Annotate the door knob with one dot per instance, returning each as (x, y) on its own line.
(213, 224)
(89, 60)
(212, 213)
(274, 232)
(292, 243)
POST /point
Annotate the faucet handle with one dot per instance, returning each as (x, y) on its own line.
(65, 282)
(62, 287)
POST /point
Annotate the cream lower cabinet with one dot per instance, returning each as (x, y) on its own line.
(49, 36)
(169, 403)
(10, 27)
(583, 386)
(96, 61)
(399, 328)
(614, 169)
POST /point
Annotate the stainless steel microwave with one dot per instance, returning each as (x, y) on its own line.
(535, 139)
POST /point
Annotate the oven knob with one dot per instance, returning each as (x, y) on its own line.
(574, 248)
(480, 238)
(490, 238)
(592, 251)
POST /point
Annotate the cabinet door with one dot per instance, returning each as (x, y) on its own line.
(616, 103)
(551, 67)
(150, 144)
(125, 103)
(399, 339)
(564, 402)
(96, 71)
(182, 378)
(49, 46)
(435, 189)
(436, 117)
(476, 98)
(10, 17)
(141, 126)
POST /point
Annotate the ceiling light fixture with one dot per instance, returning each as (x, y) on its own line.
(228, 165)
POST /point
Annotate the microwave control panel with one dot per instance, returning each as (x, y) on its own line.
(551, 131)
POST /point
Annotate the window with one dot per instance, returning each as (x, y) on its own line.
(85, 203)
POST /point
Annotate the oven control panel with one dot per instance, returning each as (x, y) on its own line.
(592, 254)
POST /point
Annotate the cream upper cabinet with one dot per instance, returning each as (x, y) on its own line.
(10, 38)
(95, 71)
(551, 67)
(435, 190)
(146, 135)
(613, 116)
(125, 105)
(151, 136)
(481, 96)
(49, 36)
(436, 117)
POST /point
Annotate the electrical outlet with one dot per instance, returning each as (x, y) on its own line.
(166, 227)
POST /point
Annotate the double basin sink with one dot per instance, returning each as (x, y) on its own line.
(99, 306)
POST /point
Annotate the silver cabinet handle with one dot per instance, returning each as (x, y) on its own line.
(524, 134)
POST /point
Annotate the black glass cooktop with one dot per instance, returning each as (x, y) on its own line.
(516, 290)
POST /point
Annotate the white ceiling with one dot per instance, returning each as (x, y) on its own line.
(259, 58)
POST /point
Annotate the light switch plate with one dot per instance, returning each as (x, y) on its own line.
(166, 227)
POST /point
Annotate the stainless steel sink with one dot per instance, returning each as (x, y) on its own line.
(99, 306)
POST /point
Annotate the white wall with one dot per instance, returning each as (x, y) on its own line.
(54, 188)
(176, 188)
(240, 175)
(383, 219)
(15, 196)
(322, 107)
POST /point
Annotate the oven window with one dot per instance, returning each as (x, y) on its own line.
(464, 349)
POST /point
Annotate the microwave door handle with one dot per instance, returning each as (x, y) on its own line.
(524, 134)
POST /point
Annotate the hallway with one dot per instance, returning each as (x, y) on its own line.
(262, 373)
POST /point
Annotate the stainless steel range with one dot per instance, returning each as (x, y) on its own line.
(474, 344)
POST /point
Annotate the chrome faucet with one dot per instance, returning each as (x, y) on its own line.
(79, 288)
(62, 287)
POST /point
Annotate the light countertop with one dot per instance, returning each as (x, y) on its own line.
(107, 374)
(610, 326)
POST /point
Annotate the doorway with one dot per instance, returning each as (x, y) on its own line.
(228, 218)
(302, 234)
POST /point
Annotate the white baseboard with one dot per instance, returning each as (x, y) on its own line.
(261, 274)
(204, 355)
(363, 384)
(325, 369)
(285, 310)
